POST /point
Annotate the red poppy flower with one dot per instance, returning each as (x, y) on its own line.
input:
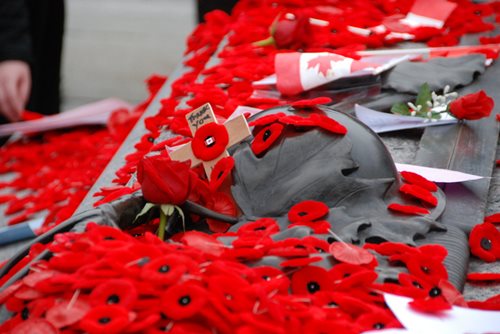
(222, 203)
(472, 106)
(310, 280)
(346, 277)
(328, 124)
(232, 291)
(183, 300)
(318, 227)
(262, 226)
(290, 247)
(267, 120)
(115, 291)
(419, 180)
(430, 305)
(266, 137)
(297, 121)
(350, 305)
(423, 266)
(210, 141)
(203, 242)
(307, 211)
(220, 172)
(167, 269)
(111, 319)
(319, 245)
(300, 262)
(484, 242)
(420, 193)
(483, 277)
(494, 218)
(377, 320)
(492, 303)
(271, 279)
(408, 209)
(411, 281)
(352, 254)
(35, 326)
(310, 103)
(66, 314)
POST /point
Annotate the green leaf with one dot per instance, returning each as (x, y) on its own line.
(145, 210)
(400, 109)
(167, 209)
(424, 95)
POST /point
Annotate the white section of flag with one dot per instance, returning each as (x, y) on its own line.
(311, 76)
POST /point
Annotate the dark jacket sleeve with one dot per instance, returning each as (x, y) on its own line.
(15, 41)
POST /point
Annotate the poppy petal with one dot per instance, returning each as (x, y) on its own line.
(266, 137)
(307, 211)
(408, 209)
(352, 254)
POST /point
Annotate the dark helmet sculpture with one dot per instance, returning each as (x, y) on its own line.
(352, 173)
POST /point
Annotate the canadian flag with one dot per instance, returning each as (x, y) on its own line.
(298, 72)
(429, 13)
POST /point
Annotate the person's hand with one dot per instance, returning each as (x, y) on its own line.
(15, 84)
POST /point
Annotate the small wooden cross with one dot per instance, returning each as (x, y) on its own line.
(237, 130)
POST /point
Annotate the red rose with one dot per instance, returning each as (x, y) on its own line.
(472, 106)
(292, 33)
(164, 181)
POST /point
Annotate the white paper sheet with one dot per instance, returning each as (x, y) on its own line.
(384, 122)
(241, 110)
(92, 113)
(438, 174)
(458, 320)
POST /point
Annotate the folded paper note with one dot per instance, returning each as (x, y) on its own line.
(384, 122)
(92, 113)
(439, 175)
(455, 321)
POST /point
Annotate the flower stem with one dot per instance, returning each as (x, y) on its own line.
(264, 42)
(163, 225)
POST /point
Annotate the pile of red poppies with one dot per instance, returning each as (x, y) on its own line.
(106, 281)
(52, 173)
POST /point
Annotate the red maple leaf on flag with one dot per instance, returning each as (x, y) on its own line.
(324, 63)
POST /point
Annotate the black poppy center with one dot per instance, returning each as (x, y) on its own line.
(313, 287)
(104, 320)
(486, 244)
(332, 304)
(25, 313)
(266, 135)
(260, 228)
(320, 250)
(151, 139)
(209, 141)
(434, 292)
(184, 300)
(425, 269)
(266, 278)
(378, 325)
(113, 299)
(417, 285)
(302, 214)
(109, 238)
(164, 269)
(220, 174)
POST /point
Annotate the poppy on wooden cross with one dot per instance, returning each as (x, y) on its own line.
(210, 139)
